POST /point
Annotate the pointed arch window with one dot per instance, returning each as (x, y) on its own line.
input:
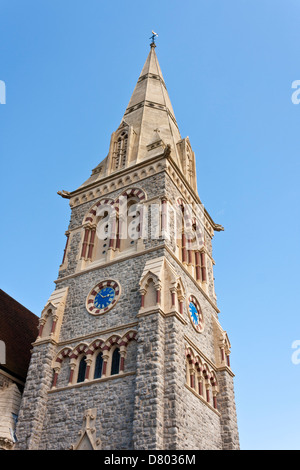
(81, 370)
(120, 151)
(98, 366)
(115, 362)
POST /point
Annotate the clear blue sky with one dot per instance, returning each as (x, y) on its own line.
(70, 67)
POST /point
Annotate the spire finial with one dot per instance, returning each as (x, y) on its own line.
(154, 35)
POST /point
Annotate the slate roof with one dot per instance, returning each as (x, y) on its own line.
(18, 330)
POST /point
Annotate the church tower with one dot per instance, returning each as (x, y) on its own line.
(130, 353)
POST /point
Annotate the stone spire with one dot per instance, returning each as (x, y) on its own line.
(147, 129)
(150, 112)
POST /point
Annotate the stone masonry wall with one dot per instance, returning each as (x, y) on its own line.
(113, 400)
(150, 407)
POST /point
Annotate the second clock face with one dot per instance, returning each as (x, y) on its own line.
(103, 297)
(195, 313)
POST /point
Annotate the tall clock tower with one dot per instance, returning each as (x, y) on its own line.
(130, 353)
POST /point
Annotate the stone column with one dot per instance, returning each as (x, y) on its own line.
(72, 368)
(105, 358)
(122, 359)
(41, 327)
(226, 406)
(55, 377)
(66, 247)
(85, 242)
(88, 361)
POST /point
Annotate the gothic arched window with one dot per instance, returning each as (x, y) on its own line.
(115, 362)
(81, 370)
(120, 151)
(98, 366)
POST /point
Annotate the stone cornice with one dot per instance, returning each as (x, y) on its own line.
(92, 382)
(133, 255)
(189, 191)
(79, 339)
(226, 369)
(153, 310)
(116, 175)
(151, 104)
(152, 75)
(108, 263)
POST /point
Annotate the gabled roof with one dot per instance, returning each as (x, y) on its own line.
(18, 330)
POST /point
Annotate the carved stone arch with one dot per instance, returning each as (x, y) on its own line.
(183, 227)
(225, 347)
(158, 286)
(77, 356)
(121, 146)
(111, 344)
(58, 368)
(130, 223)
(148, 290)
(80, 349)
(214, 380)
(198, 383)
(95, 368)
(123, 343)
(148, 277)
(127, 337)
(111, 341)
(226, 342)
(207, 383)
(190, 367)
(185, 209)
(46, 321)
(52, 314)
(215, 389)
(63, 353)
(180, 295)
(198, 363)
(137, 193)
(98, 225)
(189, 353)
(187, 161)
(93, 212)
(96, 345)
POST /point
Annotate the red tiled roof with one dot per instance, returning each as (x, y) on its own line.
(18, 330)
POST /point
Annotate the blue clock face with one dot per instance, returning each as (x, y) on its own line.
(194, 313)
(104, 297)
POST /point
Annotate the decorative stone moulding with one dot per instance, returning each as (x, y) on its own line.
(118, 182)
(195, 313)
(52, 315)
(103, 297)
